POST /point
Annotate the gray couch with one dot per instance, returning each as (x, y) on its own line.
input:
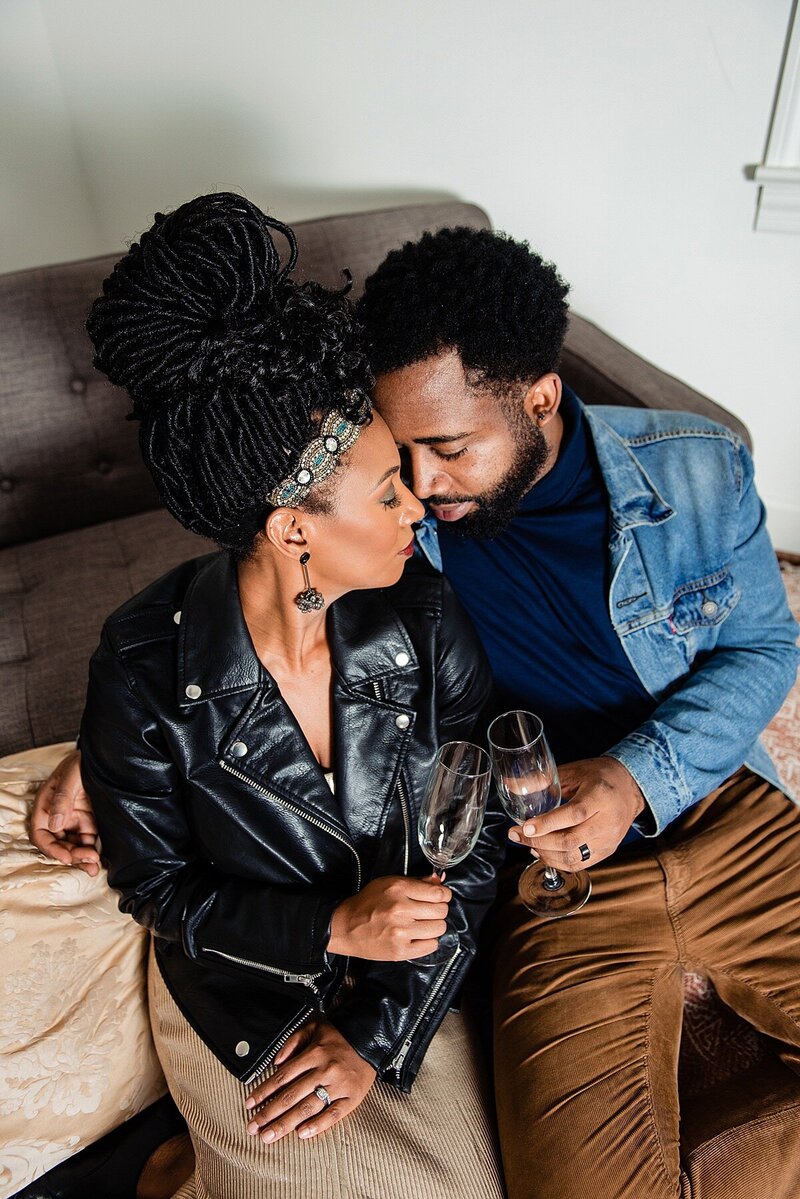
(81, 528)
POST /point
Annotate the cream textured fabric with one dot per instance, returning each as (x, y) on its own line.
(76, 1055)
(434, 1143)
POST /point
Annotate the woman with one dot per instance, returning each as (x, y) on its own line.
(258, 726)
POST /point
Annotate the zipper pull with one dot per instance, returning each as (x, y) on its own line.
(402, 1055)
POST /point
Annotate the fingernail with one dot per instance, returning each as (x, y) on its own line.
(56, 823)
(307, 1132)
(529, 830)
(269, 1135)
(252, 1128)
(249, 1103)
(513, 835)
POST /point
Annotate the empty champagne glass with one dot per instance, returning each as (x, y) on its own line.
(452, 810)
(527, 779)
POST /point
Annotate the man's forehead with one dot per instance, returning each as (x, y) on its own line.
(430, 403)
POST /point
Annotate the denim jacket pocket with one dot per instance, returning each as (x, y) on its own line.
(704, 603)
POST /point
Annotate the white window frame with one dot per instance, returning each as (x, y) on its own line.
(778, 178)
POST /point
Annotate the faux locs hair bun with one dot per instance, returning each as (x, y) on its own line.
(229, 364)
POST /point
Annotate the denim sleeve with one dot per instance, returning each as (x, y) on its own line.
(703, 731)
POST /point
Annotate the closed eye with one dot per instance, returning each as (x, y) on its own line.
(391, 499)
(451, 457)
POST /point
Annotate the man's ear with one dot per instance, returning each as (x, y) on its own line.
(542, 399)
(285, 530)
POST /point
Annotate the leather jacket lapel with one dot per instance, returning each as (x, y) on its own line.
(375, 682)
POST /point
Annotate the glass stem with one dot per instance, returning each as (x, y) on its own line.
(552, 879)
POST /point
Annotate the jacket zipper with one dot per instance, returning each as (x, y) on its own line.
(299, 812)
(404, 810)
(307, 980)
(273, 1053)
(398, 1060)
(376, 687)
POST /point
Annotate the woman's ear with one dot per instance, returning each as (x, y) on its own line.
(284, 531)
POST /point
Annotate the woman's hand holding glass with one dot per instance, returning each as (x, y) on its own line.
(393, 919)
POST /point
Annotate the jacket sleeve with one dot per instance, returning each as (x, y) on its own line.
(396, 1007)
(138, 797)
(702, 732)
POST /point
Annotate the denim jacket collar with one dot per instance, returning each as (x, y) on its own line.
(632, 495)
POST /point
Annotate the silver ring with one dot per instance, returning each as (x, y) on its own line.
(322, 1094)
(585, 852)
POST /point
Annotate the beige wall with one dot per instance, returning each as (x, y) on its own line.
(612, 135)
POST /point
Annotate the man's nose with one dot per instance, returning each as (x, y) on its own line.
(427, 478)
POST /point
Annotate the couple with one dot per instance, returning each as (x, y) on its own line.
(616, 566)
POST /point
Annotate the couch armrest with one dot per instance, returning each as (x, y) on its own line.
(603, 371)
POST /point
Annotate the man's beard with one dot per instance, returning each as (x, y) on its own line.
(497, 507)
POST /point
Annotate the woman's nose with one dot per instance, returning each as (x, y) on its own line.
(413, 509)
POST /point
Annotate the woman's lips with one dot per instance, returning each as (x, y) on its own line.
(452, 511)
(409, 550)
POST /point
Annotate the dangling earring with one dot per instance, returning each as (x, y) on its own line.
(308, 600)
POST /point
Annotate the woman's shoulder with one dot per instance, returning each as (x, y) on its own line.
(156, 604)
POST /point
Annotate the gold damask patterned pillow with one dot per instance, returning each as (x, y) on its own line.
(76, 1055)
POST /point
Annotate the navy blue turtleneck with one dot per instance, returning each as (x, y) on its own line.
(538, 596)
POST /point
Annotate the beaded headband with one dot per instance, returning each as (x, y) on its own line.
(318, 460)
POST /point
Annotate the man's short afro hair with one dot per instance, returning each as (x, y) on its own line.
(495, 301)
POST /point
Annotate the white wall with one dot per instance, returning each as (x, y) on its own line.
(613, 136)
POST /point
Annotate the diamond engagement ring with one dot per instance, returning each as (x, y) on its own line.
(322, 1094)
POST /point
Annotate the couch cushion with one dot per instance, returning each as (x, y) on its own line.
(54, 596)
(77, 1053)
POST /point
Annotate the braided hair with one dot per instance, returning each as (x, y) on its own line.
(229, 364)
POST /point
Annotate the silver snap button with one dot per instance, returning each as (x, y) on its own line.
(6, 484)
(177, 617)
(238, 749)
(402, 659)
(403, 721)
(709, 608)
(242, 1048)
(77, 386)
(193, 691)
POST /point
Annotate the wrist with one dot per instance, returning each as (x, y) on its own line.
(337, 940)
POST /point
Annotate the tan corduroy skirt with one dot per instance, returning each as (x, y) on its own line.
(436, 1142)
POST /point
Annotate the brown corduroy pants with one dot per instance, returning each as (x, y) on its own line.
(587, 1009)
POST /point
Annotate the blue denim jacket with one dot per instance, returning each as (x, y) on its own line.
(696, 598)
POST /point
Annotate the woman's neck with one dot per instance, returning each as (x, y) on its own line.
(280, 632)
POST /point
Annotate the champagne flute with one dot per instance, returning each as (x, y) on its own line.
(527, 779)
(452, 811)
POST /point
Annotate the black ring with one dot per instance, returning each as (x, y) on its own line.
(585, 852)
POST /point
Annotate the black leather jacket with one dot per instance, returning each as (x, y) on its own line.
(223, 837)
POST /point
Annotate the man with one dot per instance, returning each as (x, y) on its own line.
(616, 565)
